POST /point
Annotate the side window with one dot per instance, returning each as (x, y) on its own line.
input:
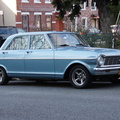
(38, 42)
(18, 43)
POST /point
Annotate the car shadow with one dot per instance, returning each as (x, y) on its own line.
(63, 84)
(41, 83)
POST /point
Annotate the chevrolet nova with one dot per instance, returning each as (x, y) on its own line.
(56, 56)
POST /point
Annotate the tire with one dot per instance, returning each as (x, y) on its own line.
(80, 77)
(3, 77)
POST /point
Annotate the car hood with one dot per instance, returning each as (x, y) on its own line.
(90, 52)
(105, 51)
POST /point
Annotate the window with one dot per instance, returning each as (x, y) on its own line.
(47, 1)
(18, 43)
(93, 6)
(8, 31)
(84, 23)
(25, 1)
(48, 22)
(37, 1)
(25, 22)
(37, 22)
(60, 40)
(38, 42)
(83, 6)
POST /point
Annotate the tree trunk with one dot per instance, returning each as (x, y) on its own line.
(104, 16)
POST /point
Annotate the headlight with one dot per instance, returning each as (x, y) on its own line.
(101, 60)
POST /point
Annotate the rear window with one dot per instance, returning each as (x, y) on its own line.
(8, 31)
(3, 31)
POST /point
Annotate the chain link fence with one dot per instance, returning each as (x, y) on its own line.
(103, 40)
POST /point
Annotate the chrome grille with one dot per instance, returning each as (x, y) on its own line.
(112, 60)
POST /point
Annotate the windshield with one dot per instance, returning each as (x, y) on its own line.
(66, 39)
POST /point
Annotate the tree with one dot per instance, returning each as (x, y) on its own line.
(74, 8)
(114, 13)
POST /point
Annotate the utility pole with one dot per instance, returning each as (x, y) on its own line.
(118, 18)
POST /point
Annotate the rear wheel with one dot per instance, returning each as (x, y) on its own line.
(3, 77)
(80, 77)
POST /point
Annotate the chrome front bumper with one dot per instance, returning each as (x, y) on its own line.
(107, 71)
(106, 68)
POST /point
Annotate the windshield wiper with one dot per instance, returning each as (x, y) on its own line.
(80, 44)
(64, 45)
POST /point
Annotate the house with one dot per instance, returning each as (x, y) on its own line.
(40, 15)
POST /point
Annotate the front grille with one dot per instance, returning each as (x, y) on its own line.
(112, 60)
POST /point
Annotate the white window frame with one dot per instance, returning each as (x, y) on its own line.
(25, 1)
(84, 6)
(37, 1)
(93, 8)
(37, 13)
(25, 13)
(47, 1)
(48, 13)
(85, 27)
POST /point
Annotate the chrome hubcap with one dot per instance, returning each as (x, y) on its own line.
(79, 77)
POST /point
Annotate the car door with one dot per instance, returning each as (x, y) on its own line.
(39, 60)
(13, 56)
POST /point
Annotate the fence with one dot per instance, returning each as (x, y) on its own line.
(103, 40)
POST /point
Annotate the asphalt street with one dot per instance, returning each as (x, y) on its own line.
(24, 100)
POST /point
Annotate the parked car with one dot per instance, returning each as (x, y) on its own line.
(56, 56)
(115, 29)
(6, 31)
(93, 30)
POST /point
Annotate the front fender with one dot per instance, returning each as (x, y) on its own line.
(88, 64)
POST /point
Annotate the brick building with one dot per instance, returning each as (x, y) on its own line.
(39, 15)
(34, 15)
(89, 16)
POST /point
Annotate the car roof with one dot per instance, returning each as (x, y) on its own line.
(7, 27)
(43, 32)
(46, 32)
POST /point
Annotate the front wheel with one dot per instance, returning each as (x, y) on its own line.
(3, 77)
(80, 77)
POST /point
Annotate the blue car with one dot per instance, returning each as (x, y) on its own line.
(56, 56)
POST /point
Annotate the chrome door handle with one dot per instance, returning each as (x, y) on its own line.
(5, 52)
(29, 51)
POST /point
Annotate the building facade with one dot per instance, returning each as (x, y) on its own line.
(40, 15)
(34, 15)
(89, 16)
(8, 12)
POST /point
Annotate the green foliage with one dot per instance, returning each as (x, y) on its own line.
(113, 11)
(73, 6)
(64, 6)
